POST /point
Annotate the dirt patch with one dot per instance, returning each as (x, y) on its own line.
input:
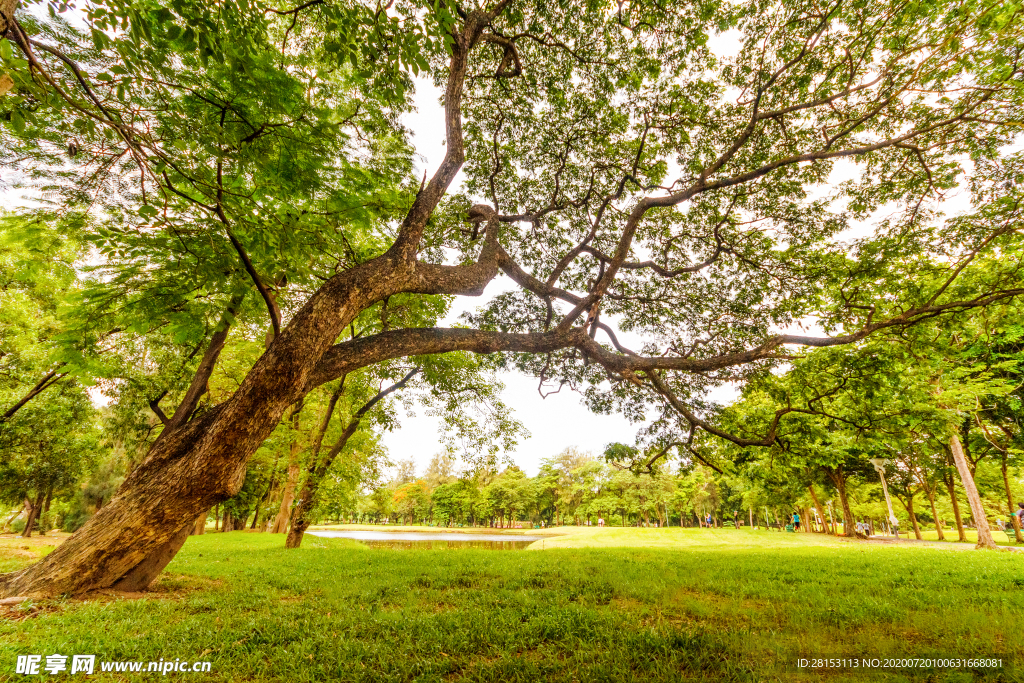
(13, 545)
(167, 587)
(28, 609)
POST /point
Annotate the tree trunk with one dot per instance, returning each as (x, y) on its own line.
(985, 539)
(256, 517)
(284, 513)
(930, 492)
(200, 527)
(1009, 503)
(7, 524)
(821, 510)
(203, 463)
(270, 490)
(913, 517)
(947, 477)
(141, 575)
(849, 528)
(285, 510)
(33, 512)
(307, 500)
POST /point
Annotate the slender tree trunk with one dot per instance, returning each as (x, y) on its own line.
(270, 489)
(200, 527)
(909, 505)
(950, 482)
(930, 492)
(307, 499)
(821, 510)
(285, 510)
(839, 480)
(315, 474)
(7, 524)
(256, 516)
(985, 539)
(50, 378)
(1009, 502)
(33, 511)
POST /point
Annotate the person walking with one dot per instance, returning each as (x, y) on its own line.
(796, 521)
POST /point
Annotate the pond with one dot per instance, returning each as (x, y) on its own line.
(432, 539)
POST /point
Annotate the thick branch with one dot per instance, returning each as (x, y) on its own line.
(357, 353)
(200, 381)
(42, 385)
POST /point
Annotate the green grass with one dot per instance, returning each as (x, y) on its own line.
(689, 605)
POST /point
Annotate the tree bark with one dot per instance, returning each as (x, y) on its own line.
(7, 8)
(200, 527)
(142, 574)
(985, 539)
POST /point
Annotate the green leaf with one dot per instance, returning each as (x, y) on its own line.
(17, 122)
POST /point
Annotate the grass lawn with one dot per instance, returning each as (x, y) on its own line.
(679, 604)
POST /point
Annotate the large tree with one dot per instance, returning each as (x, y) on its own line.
(636, 180)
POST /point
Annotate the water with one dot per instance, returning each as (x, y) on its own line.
(432, 539)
